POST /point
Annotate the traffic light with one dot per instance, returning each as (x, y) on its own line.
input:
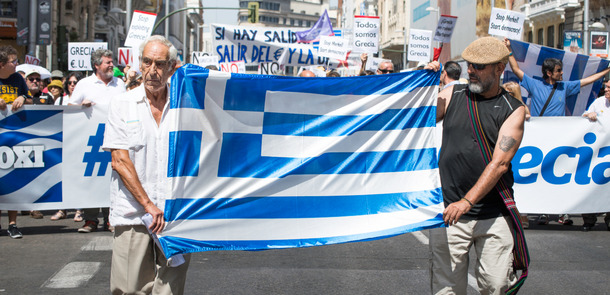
(253, 12)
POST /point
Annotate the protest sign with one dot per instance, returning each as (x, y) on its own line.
(506, 23)
(333, 47)
(572, 41)
(79, 54)
(125, 56)
(233, 67)
(204, 59)
(444, 29)
(599, 44)
(270, 68)
(141, 27)
(31, 60)
(255, 45)
(366, 34)
(420, 43)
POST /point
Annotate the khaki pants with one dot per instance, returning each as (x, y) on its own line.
(139, 266)
(493, 244)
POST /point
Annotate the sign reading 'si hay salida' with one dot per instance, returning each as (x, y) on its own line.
(142, 24)
(366, 34)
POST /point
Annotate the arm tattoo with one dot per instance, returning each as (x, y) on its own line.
(506, 143)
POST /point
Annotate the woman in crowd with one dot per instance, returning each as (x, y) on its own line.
(69, 85)
(56, 90)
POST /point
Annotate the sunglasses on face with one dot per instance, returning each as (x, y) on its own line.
(477, 67)
(386, 71)
(72, 82)
(34, 80)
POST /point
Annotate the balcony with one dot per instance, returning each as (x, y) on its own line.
(543, 8)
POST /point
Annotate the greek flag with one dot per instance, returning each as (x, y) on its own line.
(575, 67)
(265, 162)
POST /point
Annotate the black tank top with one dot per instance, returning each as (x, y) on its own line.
(460, 161)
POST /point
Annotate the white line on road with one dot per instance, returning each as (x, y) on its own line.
(422, 238)
(98, 244)
(73, 275)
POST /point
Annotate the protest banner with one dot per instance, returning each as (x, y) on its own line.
(444, 29)
(599, 44)
(79, 54)
(333, 47)
(140, 28)
(506, 23)
(204, 59)
(572, 41)
(32, 60)
(366, 34)
(270, 68)
(233, 67)
(420, 43)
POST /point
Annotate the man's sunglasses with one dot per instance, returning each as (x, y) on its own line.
(477, 67)
(34, 79)
(386, 71)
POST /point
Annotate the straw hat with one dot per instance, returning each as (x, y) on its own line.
(55, 83)
(486, 50)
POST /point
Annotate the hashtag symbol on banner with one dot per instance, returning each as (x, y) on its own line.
(96, 155)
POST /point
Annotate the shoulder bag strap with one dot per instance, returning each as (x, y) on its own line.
(546, 104)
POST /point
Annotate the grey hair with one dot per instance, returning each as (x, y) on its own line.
(173, 52)
(96, 57)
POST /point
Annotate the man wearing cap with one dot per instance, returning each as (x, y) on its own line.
(99, 89)
(34, 82)
(482, 130)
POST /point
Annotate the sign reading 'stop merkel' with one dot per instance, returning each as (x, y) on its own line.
(253, 45)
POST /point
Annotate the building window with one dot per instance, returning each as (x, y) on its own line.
(540, 37)
(530, 37)
(560, 30)
(550, 36)
(292, 22)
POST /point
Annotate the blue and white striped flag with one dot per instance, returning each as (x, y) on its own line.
(266, 162)
(575, 67)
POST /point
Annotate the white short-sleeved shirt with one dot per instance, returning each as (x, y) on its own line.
(95, 90)
(601, 106)
(132, 127)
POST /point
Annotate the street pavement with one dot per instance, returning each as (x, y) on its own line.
(53, 258)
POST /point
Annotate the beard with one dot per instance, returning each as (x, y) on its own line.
(480, 86)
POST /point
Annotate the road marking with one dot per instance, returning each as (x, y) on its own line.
(73, 275)
(98, 244)
(422, 238)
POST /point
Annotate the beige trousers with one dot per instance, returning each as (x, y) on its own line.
(493, 244)
(139, 266)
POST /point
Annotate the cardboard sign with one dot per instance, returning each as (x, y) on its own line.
(599, 44)
(506, 23)
(204, 59)
(125, 56)
(141, 27)
(333, 47)
(270, 68)
(444, 29)
(32, 60)
(366, 34)
(420, 43)
(79, 54)
(233, 67)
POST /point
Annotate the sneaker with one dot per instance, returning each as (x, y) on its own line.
(78, 216)
(14, 232)
(543, 220)
(36, 214)
(108, 227)
(565, 220)
(89, 226)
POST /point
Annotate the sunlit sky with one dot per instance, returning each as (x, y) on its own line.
(228, 17)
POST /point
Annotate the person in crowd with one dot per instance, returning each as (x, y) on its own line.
(476, 176)
(212, 67)
(333, 73)
(69, 85)
(600, 107)
(138, 264)
(34, 82)
(99, 88)
(307, 74)
(134, 83)
(57, 75)
(366, 73)
(13, 94)
(451, 74)
(56, 90)
(548, 96)
(385, 67)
